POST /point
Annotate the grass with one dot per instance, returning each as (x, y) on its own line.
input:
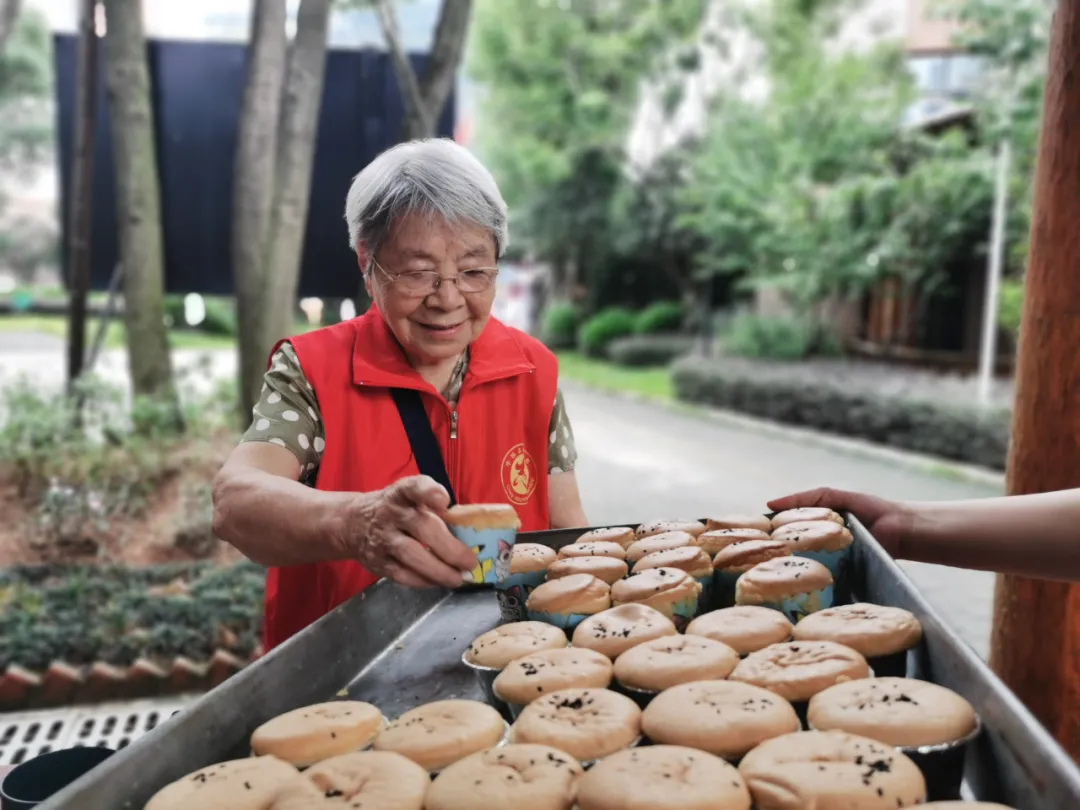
(651, 383)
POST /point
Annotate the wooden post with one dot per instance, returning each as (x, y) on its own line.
(1035, 646)
(82, 189)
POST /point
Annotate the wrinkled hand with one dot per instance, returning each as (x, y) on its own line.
(888, 521)
(398, 533)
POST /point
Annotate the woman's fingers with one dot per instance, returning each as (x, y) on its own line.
(432, 532)
(413, 556)
(404, 576)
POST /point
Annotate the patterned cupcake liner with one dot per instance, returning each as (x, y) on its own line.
(513, 592)
(493, 549)
(839, 564)
(796, 606)
(564, 621)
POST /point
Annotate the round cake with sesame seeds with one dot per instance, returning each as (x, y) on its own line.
(666, 662)
(720, 717)
(606, 569)
(438, 734)
(665, 541)
(744, 628)
(497, 648)
(309, 734)
(798, 670)
(625, 537)
(614, 631)
(368, 780)
(521, 777)
(533, 676)
(904, 712)
(586, 723)
(239, 784)
(825, 770)
(596, 548)
(663, 777)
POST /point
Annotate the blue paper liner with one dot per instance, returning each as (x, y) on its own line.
(839, 564)
(493, 548)
(513, 592)
(796, 606)
(724, 588)
(564, 621)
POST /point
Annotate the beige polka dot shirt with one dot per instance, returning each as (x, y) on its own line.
(287, 414)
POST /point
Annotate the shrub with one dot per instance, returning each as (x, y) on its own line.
(774, 338)
(951, 432)
(560, 326)
(660, 318)
(220, 317)
(596, 334)
(649, 350)
(81, 614)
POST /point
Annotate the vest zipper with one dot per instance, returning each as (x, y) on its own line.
(453, 423)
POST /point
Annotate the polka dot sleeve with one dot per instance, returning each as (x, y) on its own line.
(287, 413)
(562, 455)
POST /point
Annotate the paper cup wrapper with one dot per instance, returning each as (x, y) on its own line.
(564, 621)
(493, 549)
(723, 588)
(513, 591)
(796, 606)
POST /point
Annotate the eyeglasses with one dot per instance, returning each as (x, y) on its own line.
(422, 283)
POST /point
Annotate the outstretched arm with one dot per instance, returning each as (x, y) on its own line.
(1030, 535)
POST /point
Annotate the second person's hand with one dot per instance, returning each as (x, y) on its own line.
(889, 521)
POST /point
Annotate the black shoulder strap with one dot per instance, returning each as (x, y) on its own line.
(421, 438)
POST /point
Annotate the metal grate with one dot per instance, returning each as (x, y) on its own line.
(25, 735)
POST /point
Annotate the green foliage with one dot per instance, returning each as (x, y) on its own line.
(661, 317)
(561, 82)
(80, 467)
(966, 435)
(1011, 304)
(559, 330)
(220, 318)
(81, 614)
(775, 338)
(601, 329)
(649, 350)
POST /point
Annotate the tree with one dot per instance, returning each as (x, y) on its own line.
(425, 97)
(9, 16)
(253, 189)
(561, 83)
(138, 202)
(273, 177)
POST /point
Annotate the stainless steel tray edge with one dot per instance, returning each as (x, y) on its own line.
(315, 665)
(1016, 761)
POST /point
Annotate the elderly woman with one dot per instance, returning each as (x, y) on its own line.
(367, 431)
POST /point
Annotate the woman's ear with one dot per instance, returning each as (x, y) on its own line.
(363, 258)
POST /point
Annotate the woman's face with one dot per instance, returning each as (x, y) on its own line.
(437, 326)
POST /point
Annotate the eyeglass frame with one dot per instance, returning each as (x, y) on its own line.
(393, 278)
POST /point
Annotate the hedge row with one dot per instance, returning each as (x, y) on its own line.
(649, 350)
(961, 434)
(81, 614)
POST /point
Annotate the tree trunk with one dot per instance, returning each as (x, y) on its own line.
(80, 227)
(1035, 645)
(9, 16)
(138, 200)
(296, 151)
(425, 98)
(253, 190)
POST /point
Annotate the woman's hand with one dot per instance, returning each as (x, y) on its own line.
(889, 521)
(398, 533)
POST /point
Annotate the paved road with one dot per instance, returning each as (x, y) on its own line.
(641, 462)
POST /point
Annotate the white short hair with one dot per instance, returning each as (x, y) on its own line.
(432, 177)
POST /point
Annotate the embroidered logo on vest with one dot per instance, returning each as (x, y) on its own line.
(518, 475)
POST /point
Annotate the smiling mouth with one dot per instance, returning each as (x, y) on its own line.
(437, 328)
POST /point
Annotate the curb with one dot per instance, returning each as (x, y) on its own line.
(918, 462)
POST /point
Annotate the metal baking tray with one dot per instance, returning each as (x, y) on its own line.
(399, 648)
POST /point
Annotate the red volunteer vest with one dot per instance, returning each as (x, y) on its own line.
(498, 455)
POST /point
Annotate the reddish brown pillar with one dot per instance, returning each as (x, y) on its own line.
(1036, 639)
